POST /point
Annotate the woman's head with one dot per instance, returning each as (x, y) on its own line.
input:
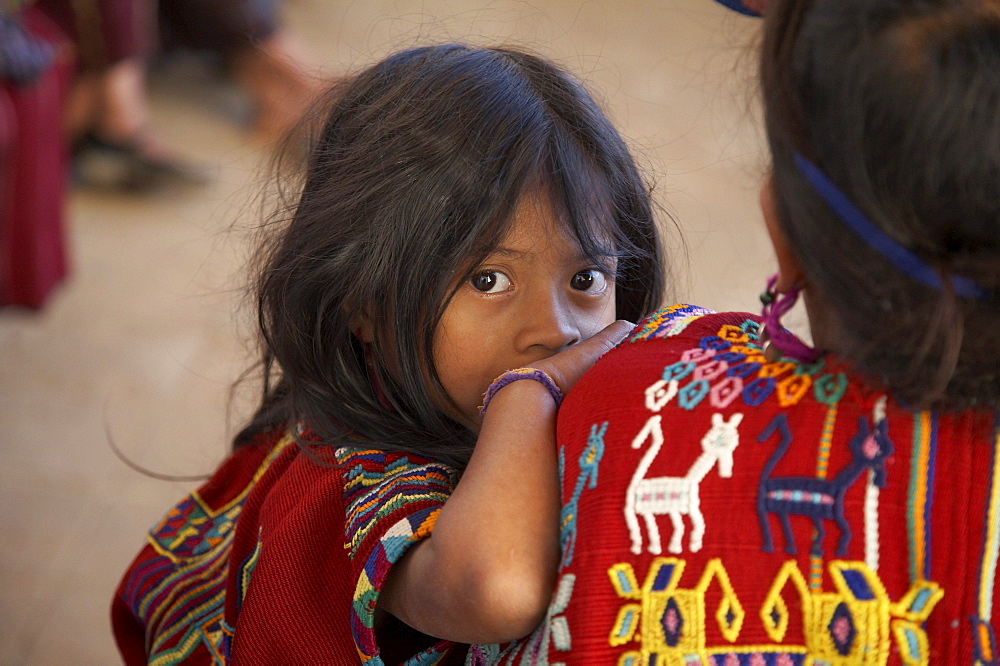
(894, 105)
(414, 179)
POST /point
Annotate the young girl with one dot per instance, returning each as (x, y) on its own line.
(732, 496)
(467, 215)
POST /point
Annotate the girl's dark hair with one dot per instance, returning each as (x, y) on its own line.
(412, 181)
(898, 102)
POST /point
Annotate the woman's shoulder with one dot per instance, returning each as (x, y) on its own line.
(688, 361)
(678, 340)
(691, 358)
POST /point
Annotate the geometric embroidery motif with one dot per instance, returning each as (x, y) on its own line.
(854, 624)
(190, 528)
(731, 365)
(667, 620)
(185, 608)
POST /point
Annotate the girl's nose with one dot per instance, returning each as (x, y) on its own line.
(550, 324)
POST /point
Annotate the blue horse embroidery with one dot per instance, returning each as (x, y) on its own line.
(819, 499)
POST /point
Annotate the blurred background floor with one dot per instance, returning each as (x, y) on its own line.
(143, 342)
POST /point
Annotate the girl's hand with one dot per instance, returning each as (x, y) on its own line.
(566, 367)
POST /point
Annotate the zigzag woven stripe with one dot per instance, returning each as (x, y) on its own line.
(398, 497)
(382, 483)
(417, 485)
(666, 322)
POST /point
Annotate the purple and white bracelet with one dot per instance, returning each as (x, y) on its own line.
(521, 373)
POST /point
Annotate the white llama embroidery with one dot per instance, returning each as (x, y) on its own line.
(676, 496)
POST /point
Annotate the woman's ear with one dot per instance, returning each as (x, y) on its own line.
(362, 326)
(789, 270)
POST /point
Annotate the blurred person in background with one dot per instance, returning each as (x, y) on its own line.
(249, 42)
(73, 83)
(115, 144)
(41, 58)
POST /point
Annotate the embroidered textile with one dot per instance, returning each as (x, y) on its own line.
(759, 513)
(279, 558)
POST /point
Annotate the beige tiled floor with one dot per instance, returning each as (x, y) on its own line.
(142, 343)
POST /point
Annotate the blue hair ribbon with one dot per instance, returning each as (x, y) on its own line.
(738, 6)
(898, 256)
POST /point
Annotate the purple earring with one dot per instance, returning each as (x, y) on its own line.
(778, 337)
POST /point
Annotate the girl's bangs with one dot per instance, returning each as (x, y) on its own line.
(582, 197)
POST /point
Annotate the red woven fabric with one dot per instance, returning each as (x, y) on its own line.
(104, 32)
(904, 573)
(33, 162)
(279, 558)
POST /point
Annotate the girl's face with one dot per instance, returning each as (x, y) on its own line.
(534, 296)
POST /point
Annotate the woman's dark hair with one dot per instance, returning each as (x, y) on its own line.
(898, 103)
(413, 180)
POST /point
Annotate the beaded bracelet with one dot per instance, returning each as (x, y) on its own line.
(513, 376)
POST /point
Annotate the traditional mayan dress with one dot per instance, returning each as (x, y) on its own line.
(279, 559)
(720, 509)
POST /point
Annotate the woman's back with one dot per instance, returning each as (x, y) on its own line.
(724, 505)
(722, 509)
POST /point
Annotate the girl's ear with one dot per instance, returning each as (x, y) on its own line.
(789, 270)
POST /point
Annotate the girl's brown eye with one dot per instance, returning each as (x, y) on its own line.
(490, 282)
(592, 280)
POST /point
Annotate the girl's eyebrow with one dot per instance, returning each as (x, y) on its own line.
(510, 252)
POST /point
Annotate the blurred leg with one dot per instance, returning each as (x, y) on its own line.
(264, 57)
(274, 76)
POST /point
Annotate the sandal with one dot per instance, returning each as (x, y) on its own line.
(126, 167)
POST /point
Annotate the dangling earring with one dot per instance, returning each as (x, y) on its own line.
(777, 340)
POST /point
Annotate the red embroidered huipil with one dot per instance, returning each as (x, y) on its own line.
(279, 559)
(720, 509)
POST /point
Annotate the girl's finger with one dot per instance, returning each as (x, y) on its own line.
(568, 366)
